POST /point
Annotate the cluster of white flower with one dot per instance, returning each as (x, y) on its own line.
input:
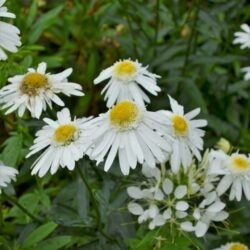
(243, 38)
(191, 200)
(127, 129)
(188, 202)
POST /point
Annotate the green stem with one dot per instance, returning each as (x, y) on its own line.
(157, 20)
(92, 197)
(21, 207)
(95, 204)
(132, 35)
(124, 5)
(191, 39)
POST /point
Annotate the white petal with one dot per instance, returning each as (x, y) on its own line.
(159, 220)
(180, 191)
(135, 208)
(216, 207)
(167, 186)
(181, 206)
(221, 216)
(41, 68)
(201, 229)
(224, 184)
(187, 226)
(159, 196)
(167, 214)
(246, 188)
(106, 73)
(153, 210)
(197, 214)
(181, 214)
(134, 192)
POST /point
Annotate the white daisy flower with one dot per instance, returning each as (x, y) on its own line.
(63, 141)
(233, 246)
(128, 78)
(37, 89)
(243, 38)
(6, 175)
(9, 34)
(235, 169)
(131, 132)
(246, 70)
(186, 133)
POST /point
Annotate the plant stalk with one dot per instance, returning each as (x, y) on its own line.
(21, 207)
(95, 204)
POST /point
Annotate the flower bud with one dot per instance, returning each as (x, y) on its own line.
(224, 145)
(186, 31)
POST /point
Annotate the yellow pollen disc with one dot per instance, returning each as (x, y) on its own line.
(125, 68)
(240, 162)
(179, 124)
(123, 114)
(237, 246)
(64, 134)
(32, 83)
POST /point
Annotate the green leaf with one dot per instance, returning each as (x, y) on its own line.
(32, 14)
(30, 201)
(54, 243)
(238, 86)
(195, 95)
(43, 23)
(12, 149)
(39, 234)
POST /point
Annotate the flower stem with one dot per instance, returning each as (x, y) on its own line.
(95, 204)
(131, 30)
(157, 19)
(193, 31)
(21, 207)
(92, 197)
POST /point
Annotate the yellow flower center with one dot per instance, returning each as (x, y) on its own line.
(32, 83)
(240, 162)
(65, 134)
(124, 114)
(124, 68)
(180, 125)
(237, 246)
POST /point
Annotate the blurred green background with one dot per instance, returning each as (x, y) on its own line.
(188, 43)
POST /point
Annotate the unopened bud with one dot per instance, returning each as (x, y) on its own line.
(186, 31)
(224, 145)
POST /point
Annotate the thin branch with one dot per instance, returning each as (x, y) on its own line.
(21, 207)
(132, 33)
(157, 20)
(95, 204)
(193, 31)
